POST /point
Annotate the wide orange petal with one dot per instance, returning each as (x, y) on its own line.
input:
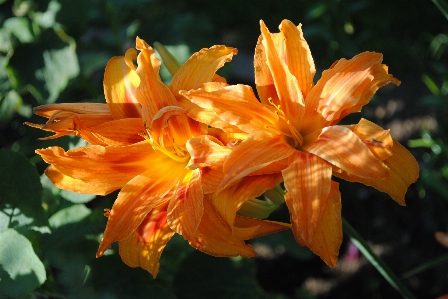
(290, 96)
(236, 105)
(298, 55)
(144, 246)
(211, 178)
(120, 132)
(97, 164)
(152, 94)
(248, 228)
(138, 197)
(200, 68)
(341, 147)
(404, 171)
(206, 151)
(65, 182)
(214, 236)
(186, 207)
(376, 138)
(345, 88)
(120, 89)
(254, 153)
(308, 184)
(327, 237)
(228, 201)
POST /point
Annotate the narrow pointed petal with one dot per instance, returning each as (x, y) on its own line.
(206, 151)
(137, 198)
(152, 94)
(65, 182)
(236, 105)
(298, 55)
(186, 208)
(214, 237)
(341, 147)
(144, 247)
(98, 164)
(120, 132)
(308, 184)
(327, 236)
(200, 68)
(50, 110)
(120, 89)
(289, 94)
(228, 201)
(345, 88)
(263, 77)
(404, 171)
(254, 153)
(250, 228)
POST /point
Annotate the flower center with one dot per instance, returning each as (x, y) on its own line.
(293, 132)
(175, 151)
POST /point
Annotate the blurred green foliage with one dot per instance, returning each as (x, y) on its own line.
(56, 51)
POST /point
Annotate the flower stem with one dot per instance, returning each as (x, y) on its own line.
(378, 263)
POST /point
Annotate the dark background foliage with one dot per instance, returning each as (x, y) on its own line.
(56, 51)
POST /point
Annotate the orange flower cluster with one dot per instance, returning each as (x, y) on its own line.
(191, 157)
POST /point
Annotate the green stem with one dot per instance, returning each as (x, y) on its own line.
(428, 265)
(378, 263)
(442, 6)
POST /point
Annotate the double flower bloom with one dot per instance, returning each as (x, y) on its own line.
(188, 156)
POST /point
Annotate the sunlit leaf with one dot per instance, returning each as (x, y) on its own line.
(23, 271)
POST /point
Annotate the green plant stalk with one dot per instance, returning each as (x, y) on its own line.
(378, 263)
(442, 6)
(428, 265)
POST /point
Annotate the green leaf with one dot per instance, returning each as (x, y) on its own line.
(20, 28)
(20, 199)
(22, 270)
(53, 61)
(72, 214)
(204, 276)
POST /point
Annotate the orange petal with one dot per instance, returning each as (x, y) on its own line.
(138, 197)
(376, 138)
(327, 236)
(211, 178)
(206, 151)
(152, 94)
(342, 148)
(249, 228)
(200, 68)
(186, 208)
(308, 183)
(236, 105)
(65, 182)
(254, 153)
(215, 238)
(228, 201)
(120, 88)
(144, 247)
(120, 132)
(78, 108)
(98, 164)
(298, 55)
(404, 171)
(345, 88)
(289, 95)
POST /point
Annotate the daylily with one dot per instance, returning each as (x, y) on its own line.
(166, 174)
(294, 131)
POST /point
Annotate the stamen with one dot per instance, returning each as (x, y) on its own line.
(163, 150)
(295, 134)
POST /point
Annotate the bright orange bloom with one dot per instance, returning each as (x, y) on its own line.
(294, 131)
(163, 161)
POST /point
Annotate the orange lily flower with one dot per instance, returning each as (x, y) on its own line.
(163, 161)
(294, 131)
